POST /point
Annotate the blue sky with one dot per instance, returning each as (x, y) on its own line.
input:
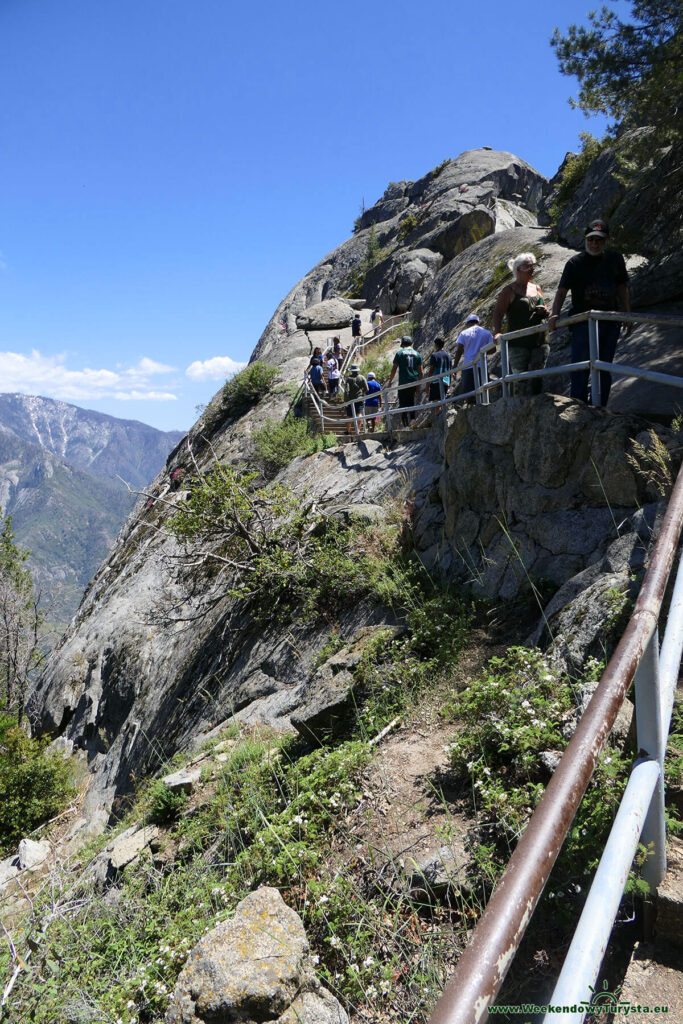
(171, 169)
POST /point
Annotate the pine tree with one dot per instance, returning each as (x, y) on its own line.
(20, 623)
(632, 71)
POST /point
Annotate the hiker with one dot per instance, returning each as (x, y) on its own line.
(376, 319)
(356, 327)
(597, 279)
(373, 403)
(337, 351)
(523, 303)
(333, 376)
(317, 377)
(468, 346)
(408, 362)
(355, 388)
(317, 354)
(177, 477)
(439, 362)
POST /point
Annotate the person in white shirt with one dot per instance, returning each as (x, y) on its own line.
(470, 342)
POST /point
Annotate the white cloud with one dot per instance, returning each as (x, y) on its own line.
(49, 375)
(213, 369)
(149, 366)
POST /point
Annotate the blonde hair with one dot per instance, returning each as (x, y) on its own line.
(524, 257)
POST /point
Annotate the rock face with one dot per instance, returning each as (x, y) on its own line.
(452, 207)
(539, 487)
(118, 678)
(397, 281)
(254, 967)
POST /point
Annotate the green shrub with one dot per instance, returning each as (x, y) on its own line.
(574, 172)
(436, 171)
(35, 784)
(508, 716)
(379, 364)
(248, 386)
(408, 224)
(277, 444)
(373, 255)
(165, 805)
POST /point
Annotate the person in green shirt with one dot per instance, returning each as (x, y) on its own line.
(408, 362)
(355, 388)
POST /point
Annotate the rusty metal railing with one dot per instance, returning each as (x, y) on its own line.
(482, 967)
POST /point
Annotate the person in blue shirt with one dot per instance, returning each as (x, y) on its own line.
(373, 403)
(317, 377)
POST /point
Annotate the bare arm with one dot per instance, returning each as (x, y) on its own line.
(459, 352)
(501, 308)
(560, 296)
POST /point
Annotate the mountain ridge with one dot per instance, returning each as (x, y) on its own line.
(62, 473)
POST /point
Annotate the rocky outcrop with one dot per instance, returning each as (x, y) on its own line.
(536, 488)
(327, 315)
(450, 208)
(254, 967)
(177, 667)
(327, 706)
(396, 282)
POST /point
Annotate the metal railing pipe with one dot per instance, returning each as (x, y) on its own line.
(649, 732)
(671, 650)
(481, 969)
(582, 963)
(594, 354)
(621, 370)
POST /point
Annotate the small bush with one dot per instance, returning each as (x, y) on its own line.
(35, 784)
(379, 364)
(408, 224)
(508, 717)
(277, 444)
(165, 805)
(436, 171)
(248, 386)
(574, 173)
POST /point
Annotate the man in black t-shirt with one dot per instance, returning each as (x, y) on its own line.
(439, 362)
(597, 280)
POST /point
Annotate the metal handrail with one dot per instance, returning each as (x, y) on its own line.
(482, 967)
(483, 386)
(369, 338)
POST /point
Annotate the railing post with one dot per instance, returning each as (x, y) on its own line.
(594, 353)
(504, 365)
(484, 376)
(475, 374)
(649, 730)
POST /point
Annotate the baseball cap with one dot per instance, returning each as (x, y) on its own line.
(597, 229)
(406, 338)
(472, 319)
(371, 374)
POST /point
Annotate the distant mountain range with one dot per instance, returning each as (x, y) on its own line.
(61, 478)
